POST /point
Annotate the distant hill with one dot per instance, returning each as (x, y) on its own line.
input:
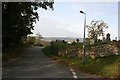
(49, 39)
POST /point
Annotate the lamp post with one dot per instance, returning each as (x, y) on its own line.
(83, 52)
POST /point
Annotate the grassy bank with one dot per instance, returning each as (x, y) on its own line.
(12, 54)
(108, 66)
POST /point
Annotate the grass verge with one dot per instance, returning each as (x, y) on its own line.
(12, 55)
(106, 67)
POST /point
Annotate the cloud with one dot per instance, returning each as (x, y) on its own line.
(51, 28)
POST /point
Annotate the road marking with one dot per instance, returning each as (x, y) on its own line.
(74, 74)
(75, 77)
(71, 69)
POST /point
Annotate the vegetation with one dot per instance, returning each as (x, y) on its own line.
(18, 19)
(30, 40)
(54, 48)
(95, 29)
(12, 55)
(107, 66)
(17, 23)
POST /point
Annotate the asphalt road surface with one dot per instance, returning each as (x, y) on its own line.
(36, 65)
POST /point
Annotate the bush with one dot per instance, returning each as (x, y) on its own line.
(54, 48)
(30, 40)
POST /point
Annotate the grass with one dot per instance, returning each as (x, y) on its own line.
(13, 53)
(106, 67)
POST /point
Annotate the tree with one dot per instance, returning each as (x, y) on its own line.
(96, 29)
(30, 40)
(77, 40)
(108, 37)
(18, 19)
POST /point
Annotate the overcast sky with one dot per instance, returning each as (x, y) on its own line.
(66, 20)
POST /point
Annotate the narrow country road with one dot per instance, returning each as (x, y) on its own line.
(36, 65)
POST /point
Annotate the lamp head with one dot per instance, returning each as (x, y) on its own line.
(82, 12)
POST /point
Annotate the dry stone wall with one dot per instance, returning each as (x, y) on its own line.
(95, 51)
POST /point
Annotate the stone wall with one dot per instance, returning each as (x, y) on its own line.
(94, 51)
(103, 50)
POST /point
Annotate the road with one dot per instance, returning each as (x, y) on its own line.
(36, 65)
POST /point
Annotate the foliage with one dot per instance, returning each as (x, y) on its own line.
(56, 47)
(108, 37)
(30, 40)
(77, 40)
(47, 51)
(18, 19)
(106, 67)
(96, 29)
(38, 41)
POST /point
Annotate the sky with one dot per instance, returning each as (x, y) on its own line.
(66, 20)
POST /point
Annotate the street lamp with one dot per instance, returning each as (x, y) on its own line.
(83, 53)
